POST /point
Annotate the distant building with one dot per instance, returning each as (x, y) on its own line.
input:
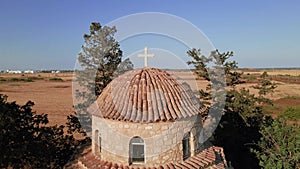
(55, 71)
(29, 71)
(13, 71)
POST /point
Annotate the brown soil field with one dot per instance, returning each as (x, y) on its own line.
(50, 97)
(55, 97)
(290, 72)
(280, 105)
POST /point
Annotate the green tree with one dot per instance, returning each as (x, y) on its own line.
(242, 114)
(265, 87)
(100, 60)
(26, 141)
(279, 146)
(217, 61)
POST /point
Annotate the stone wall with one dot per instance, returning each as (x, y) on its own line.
(162, 140)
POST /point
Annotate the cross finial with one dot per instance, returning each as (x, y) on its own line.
(145, 55)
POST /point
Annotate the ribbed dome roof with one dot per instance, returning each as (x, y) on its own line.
(147, 95)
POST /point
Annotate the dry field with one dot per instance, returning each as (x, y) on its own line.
(54, 97)
(290, 72)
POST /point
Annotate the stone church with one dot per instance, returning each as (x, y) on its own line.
(147, 118)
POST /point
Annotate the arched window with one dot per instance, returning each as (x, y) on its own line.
(97, 141)
(136, 150)
(186, 147)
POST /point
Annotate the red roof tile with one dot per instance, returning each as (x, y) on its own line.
(147, 95)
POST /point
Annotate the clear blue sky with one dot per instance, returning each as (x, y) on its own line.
(38, 34)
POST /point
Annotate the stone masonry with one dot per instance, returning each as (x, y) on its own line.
(162, 140)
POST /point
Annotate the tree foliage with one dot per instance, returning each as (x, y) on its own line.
(27, 141)
(242, 115)
(279, 146)
(265, 87)
(100, 60)
(201, 64)
(216, 61)
(101, 52)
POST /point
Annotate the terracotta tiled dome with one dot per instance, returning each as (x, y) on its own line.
(147, 95)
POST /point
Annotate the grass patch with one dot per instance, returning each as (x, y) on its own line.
(21, 79)
(251, 78)
(36, 78)
(14, 84)
(274, 107)
(2, 80)
(15, 79)
(56, 79)
(271, 108)
(291, 97)
(291, 113)
(29, 80)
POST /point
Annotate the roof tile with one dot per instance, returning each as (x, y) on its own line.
(147, 95)
(212, 157)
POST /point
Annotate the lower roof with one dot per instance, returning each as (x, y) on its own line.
(212, 157)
